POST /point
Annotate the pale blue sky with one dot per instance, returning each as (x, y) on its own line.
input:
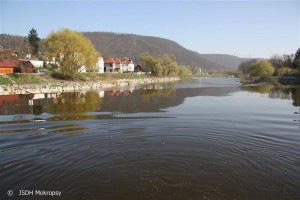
(241, 28)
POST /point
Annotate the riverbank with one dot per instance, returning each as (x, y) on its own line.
(284, 80)
(72, 86)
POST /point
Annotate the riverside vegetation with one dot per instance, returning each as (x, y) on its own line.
(71, 50)
(254, 71)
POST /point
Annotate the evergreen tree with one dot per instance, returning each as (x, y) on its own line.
(34, 41)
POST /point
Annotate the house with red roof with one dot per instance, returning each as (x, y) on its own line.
(128, 65)
(8, 65)
(113, 65)
(15, 66)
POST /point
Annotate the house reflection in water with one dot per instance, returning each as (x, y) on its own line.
(117, 93)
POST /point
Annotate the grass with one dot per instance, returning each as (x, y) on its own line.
(4, 80)
(22, 79)
(108, 77)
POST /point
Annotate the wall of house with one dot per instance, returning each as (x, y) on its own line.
(128, 67)
(120, 66)
(109, 67)
(37, 63)
(7, 70)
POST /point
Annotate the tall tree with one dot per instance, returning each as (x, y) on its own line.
(34, 41)
(296, 60)
(72, 51)
(297, 54)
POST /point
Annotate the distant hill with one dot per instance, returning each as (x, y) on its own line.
(129, 45)
(132, 46)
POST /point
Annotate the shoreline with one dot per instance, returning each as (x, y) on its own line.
(74, 86)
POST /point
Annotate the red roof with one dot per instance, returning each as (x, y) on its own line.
(113, 60)
(127, 60)
(9, 63)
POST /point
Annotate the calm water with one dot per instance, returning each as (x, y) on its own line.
(199, 139)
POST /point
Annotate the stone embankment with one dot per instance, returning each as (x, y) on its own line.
(68, 86)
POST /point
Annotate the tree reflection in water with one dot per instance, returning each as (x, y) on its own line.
(279, 92)
(74, 106)
(145, 94)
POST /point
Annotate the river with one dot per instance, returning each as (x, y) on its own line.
(206, 138)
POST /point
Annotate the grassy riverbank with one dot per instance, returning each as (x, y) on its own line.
(22, 79)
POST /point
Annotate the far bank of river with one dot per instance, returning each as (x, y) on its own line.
(72, 86)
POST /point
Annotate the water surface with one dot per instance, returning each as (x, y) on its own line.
(197, 139)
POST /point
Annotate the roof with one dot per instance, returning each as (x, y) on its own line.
(127, 60)
(9, 63)
(26, 63)
(8, 52)
(113, 60)
(140, 68)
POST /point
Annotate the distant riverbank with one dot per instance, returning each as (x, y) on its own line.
(284, 80)
(71, 86)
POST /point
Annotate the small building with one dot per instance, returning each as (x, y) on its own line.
(113, 65)
(140, 69)
(8, 65)
(25, 66)
(37, 63)
(128, 65)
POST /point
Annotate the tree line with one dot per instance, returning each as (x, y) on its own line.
(275, 66)
(165, 65)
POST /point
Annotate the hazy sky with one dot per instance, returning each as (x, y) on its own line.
(241, 28)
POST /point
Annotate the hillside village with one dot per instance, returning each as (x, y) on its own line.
(9, 63)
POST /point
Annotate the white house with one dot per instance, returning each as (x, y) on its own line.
(99, 67)
(128, 65)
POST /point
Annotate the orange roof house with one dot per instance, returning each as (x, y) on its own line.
(113, 65)
(113, 60)
(127, 61)
(128, 65)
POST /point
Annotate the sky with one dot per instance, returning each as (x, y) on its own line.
(241, 28)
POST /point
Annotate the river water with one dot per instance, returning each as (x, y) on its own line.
(197, 139)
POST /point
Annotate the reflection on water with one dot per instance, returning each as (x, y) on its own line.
(279, 92)
(201, 139)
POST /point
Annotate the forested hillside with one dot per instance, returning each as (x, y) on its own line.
(132, 46)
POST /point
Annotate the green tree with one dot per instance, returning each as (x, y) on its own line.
(72, 51)
(261, 69)
(152, 64)
(296, 60)
(282, 71)
(297, 55)
(169, 64)
(184, 71)
(288, 61)
(34, 40)
(195, 69)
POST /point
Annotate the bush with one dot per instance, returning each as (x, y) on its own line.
(261, 69)
(283, 71)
